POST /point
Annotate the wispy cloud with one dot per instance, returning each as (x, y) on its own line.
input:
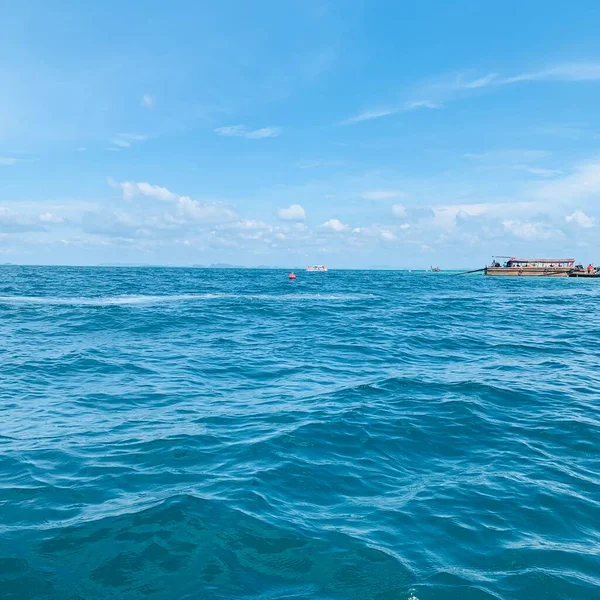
(313, 164)
(452, 88)
(572, 132)
(241, 131)
(125, 140)
(512, 155)
(481, 82)
(398, 210)
(560, 72)
(382, 194)
(566, 72)
(48, 217)
(148, 101)
(378, 113)
(368, 115)
(8, 161)
(539, 171)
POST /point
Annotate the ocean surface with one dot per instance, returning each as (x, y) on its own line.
(189, 433)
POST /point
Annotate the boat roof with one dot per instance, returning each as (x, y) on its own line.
(513, 258)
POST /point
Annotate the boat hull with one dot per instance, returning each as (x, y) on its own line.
(584, 274)
(528, 271)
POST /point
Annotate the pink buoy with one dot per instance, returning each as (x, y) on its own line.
(292, 275)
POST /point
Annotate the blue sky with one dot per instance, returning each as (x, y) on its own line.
(282, 132)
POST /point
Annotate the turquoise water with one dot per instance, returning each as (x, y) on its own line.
(187, 433)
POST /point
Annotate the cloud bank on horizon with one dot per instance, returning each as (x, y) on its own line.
(342, 134)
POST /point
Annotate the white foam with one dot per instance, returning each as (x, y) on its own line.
(153, 299)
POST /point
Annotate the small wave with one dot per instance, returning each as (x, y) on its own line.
(151, 299)
(103, 300)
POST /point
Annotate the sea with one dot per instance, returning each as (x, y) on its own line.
(174, 433)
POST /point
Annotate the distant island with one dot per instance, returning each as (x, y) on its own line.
(228, 266)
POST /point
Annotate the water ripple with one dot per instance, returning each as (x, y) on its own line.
(185, 433)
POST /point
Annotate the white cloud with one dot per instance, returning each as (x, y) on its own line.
(294, 212)
(241, 131)
(581, 219)
(155, 191)
(584, 182)
(246, 225)
(131, 189)
(398, 210)
(335, 225)
(186, 207)
(405, 226)
(148, 101)
(376, 232)
(192, 209)
(530, 231)
(7, 161)
(445, 217)
(15, 222)
(382, 194)
(48, 217)
(80, 149)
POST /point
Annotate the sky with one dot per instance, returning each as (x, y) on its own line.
(348, 133)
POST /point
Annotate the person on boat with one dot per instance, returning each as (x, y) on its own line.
(590, 268)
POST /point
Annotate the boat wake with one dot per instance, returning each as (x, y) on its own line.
(153, 299)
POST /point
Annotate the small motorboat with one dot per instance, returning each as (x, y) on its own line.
(589, 271)
(321, 268)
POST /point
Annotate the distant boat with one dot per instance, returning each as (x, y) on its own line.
(317, 268)
(435, 270)
(530, 267)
